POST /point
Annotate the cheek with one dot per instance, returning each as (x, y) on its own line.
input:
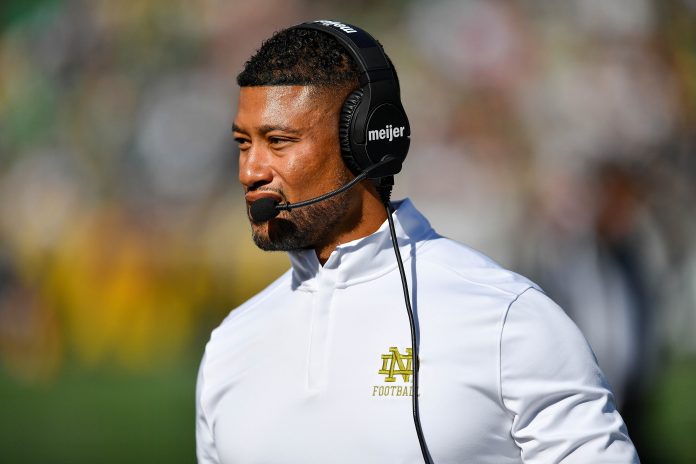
(313, 164)
(316, 164)
(300, 170)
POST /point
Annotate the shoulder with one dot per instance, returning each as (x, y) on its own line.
(535, 327)
(252, 311)
(454, 262)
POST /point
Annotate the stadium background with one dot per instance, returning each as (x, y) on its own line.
(557, 137)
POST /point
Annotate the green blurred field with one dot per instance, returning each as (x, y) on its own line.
(667, 428)
(102, 416)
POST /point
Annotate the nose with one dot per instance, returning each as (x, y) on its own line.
(254, 168)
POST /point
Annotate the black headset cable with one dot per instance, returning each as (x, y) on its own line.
(384, 188)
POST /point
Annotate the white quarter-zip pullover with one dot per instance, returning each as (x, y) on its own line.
(316, 367)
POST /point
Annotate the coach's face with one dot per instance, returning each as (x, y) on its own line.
(289, 150)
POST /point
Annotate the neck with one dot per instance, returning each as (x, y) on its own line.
(366, 219)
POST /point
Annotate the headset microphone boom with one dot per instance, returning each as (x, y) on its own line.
(265, 209)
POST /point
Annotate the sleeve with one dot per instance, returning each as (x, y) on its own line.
(561, 405)
(205, 445)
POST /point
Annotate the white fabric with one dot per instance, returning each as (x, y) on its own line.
(293, 375)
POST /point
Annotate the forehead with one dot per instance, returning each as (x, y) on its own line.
(281, 104)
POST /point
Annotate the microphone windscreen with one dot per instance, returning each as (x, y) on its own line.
(264, 209)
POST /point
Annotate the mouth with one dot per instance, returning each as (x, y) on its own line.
(255, 195)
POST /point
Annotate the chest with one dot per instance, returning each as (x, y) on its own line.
(330, 374)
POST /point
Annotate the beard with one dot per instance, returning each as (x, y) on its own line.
(306, 227)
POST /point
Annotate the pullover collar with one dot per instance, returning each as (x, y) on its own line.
(365, 258)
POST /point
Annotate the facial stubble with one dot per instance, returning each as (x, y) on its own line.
(307, 227)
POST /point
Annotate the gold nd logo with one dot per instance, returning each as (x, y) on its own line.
(393, 364)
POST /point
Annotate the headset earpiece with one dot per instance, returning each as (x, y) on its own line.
(344, 129)
(373, 123)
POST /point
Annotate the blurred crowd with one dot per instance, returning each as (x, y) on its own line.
(557, 137)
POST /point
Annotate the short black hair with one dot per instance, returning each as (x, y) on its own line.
(300, 57)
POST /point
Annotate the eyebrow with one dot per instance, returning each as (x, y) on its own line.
(268, 128)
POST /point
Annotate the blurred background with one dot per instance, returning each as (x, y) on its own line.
(557, 137)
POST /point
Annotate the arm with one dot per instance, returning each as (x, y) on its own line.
(561, 405)
(205, 445)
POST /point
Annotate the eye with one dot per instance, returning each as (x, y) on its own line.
(278, 142)
(243, 143)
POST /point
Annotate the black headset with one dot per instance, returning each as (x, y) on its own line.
(373, 123)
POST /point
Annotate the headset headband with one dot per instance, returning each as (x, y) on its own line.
(363, 48)
(373, 122)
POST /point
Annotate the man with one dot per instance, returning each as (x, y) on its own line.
(317, 368)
